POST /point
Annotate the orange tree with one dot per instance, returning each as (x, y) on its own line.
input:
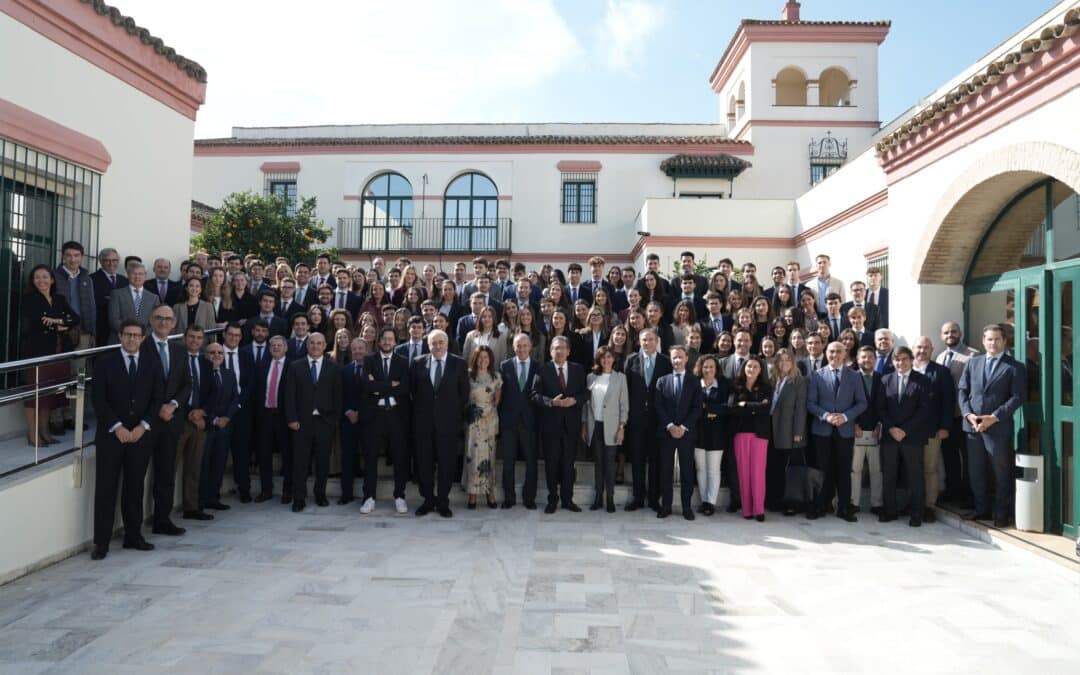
(261, 224)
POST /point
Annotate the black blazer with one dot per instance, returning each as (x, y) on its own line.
(465, 324)
(754, 417)
(297, 349)
(516, 408)
(116, 399)
(353, 303)
(547, 386)
(942, 397)
(247, 373)
(869, 419)
(709, 334)
(303, 397)
(378, 386)
(641, 395)
(584, 346)
(439, 411)
(223, 400)
(912, 413)
(36, 340)
(177, 384)
(685, 410)
(873, 318)
(712, 427)
(173, 289)
(402, 349)
(352, 387)
(288, 311)
(277, 327)
(258, 389)
(102, 292)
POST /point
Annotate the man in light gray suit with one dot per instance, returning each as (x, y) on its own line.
(134, 302)
(953, 449)
(991, 390)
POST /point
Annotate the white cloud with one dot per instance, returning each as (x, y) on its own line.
(278, 62)
(625, 31)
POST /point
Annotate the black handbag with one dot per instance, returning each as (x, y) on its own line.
(802, 482)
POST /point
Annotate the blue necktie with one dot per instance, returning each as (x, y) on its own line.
(314, 373)
(990, 361)
(678, 386)
(836, 381)
(163, 351)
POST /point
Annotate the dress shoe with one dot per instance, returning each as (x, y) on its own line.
(530, 506)
(812, 514)
(298, 506)
(139, 545)
(982, 516)
(747, 517)
(572, 507)
(245, 499)
(99, 553)
(57, 429)
(217, 506)
(854, 509)
(322, 501)
(263, 497)
(550, 508)
(168, 529)
(506, 506)
(928, 515)
(732, 508)
(424, 509)
(760, 517)
(915, 521)
(662, 513)
(789, 511)
(492, 504)
(471, 506)
(701, 508)
(286, 498)
(1001, 522)
(595, 506)
(886, 517)
(876, 510)
(688, 514)
(632, 506)
(655, 506)
(342, 501)
(707, 509)
(197, 515)
(445, 512)
(849, 517)
(611, 506)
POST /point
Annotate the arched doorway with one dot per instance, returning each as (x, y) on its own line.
(1024, 274)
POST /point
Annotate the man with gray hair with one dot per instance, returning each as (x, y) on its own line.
(167, 290)
(517, 421)
(134, 303)
(883, 344)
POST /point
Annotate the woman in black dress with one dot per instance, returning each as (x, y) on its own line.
(45, 317)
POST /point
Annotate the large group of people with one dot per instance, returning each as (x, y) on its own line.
(784, 392)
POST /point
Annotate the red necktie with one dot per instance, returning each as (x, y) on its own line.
(271, 394)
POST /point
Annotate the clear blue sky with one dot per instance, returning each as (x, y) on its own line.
(276, 62)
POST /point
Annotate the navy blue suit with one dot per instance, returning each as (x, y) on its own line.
(942, 391)
(559, 426)
(1001, 396)
(911, 413)
(271, 432)
(641, 426)
(518, 429)
(682, 410)
(438, 416)
(241, 426)
(352, 397)
(173, 290)
(833, 445)
(882, 305)
(709, 333)
(223, 402)
(403, 349)
(384, 423)
(177, 387)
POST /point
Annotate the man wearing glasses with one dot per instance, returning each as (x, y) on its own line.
(128, 392)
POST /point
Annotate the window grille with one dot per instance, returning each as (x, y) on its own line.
(579, 198)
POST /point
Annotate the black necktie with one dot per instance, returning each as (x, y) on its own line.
(438, 373)
(386, 368)
(258, 352)
(132, 368)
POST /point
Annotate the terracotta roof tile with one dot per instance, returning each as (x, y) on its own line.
(721, 165)
(474, 140)
(191, 68)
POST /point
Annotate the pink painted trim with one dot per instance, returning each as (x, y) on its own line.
(710, 241)
(573, 166)
(858, 210)
(505, 198)
(1048, 76)
(877, 252)
(416, 198)
(28, 128)
(746, 35)
(75, 26)
(353, 198)
(813, 123)
(476, 148)
(280, 167)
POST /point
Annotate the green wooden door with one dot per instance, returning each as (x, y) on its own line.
(1065, 393)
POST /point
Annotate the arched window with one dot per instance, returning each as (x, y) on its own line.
(388, 201)
(731, 110)
(740, 101)
(470, 213)
(790, 87)
(834, 88)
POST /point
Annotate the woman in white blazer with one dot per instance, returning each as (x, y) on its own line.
(604, 421)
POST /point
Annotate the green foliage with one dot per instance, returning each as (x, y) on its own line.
(701, 266)
(253, 223)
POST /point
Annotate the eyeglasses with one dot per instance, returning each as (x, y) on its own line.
(133, 336)
(164, 318)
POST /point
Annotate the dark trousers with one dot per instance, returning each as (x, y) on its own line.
(986, 455)
(164, 444)
(349, 434)
(312, 440)
(116, 459)
(604, 467)
(775, 474)
(432, 448)
(729, 468)
(515, 442)
(215, 456)
(384, 429)
(273, 435)
(833, 456)
(240, 445)
(685, 448)
(559, 452)
(954, 459)
(912, 455)
(638, 436)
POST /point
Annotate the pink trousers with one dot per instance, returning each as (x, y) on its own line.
(750, 455)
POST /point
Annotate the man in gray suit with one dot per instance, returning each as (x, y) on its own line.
(835, 398)
(953, 453)
(731, 364)
(991, 390)
(134, 302)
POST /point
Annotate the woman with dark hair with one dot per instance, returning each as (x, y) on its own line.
(763, 317)
(359, 283)
(581, 315)
(485, 390)
(603, 427)
(340, 318)
(719, 284)
(590, 338)
(486, 334)
(215, 294)
(711, 436)
(654, 289)
(735, 302)
(635, 323)
(527, 324)
(619, 344)
(725, 344)
(560, 325)
(748, 406)
(318, 322)
(782, 298)
(556, 292)
(442, 323)
(851, 346)
(377, 297)
(602, 301)
(412, 300)
(45, 320)
(341, 352)
(549, 275)
(633, 301)
(193, 311)
(788, 426)
(654, 318)
(808, 309)
(778, 330)
(682, 318)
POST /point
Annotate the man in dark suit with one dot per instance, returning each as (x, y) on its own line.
(258, 346)
(942, 404)
(468, 322)
(298, 342)
(713, 322)
(312, 407)
(344, 298)
(686, 266)
(440, 391)
(687, 285)
(991, 390)
(221, 407)
(105, 280)
(275, 325)
(352, 400)
(575, 290)
(241, 363)
(836, 320)
(385, 409)
(858, 299)
(596, 279)
(883, 343)
(678, 407)
(517, 422)
(170, 417)
(127, 394)
(794, 271)
(815, 355)
(166, 289)
(643, 369)
(835, 399)
(322, 275)
(268, 409)
(416, 345)
(287, 306)
(904, 411)
(878, 296)
(559, 390)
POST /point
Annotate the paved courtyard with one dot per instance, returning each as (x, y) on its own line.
(265, 590)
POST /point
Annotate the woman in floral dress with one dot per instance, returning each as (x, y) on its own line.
(485, 388)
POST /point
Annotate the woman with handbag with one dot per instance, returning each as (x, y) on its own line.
(749, 406)
(604, 423)
(485, 390)
(711, 434)
(788, 427)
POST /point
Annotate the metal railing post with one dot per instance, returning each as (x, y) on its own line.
(37, 413)
(80, 413)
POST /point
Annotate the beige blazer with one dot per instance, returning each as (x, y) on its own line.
(204, 316)
(616, 407)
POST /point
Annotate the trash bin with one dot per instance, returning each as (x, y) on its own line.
(1029, 492)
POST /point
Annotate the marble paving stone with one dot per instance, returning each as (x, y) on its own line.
(328, 591)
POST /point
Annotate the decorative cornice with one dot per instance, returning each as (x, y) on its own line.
(579, 166)
(280, 167)
(855, 211)
(40, 133)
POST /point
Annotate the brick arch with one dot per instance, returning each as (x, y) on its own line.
(969, 206)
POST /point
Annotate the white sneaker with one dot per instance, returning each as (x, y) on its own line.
(368, 506)
(401, 506)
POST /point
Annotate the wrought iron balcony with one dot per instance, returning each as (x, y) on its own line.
(424, 235)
